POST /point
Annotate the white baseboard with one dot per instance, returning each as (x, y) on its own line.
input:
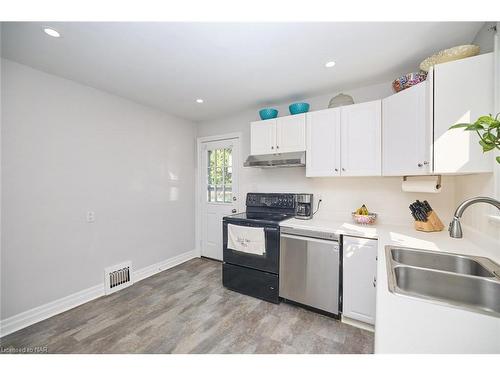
(358, 324)
(163, 265)
(37, 314)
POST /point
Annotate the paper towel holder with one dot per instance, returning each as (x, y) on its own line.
(438, 183)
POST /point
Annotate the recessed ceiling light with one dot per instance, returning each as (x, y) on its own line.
(199, 101)
(51, 32)
(329, 64)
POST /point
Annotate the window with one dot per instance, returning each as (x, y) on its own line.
(220, 170)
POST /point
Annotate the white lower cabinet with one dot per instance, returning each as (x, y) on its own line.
(359, 278)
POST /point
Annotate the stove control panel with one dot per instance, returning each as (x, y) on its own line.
(272, 200)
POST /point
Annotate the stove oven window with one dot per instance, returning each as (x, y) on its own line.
(220, 169)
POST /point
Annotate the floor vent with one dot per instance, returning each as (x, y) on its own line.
(117, 277)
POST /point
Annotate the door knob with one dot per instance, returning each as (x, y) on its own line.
(233, 210)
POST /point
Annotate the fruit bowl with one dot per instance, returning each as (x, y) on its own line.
(364, 219)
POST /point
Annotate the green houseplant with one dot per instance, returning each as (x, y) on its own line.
(488, 130)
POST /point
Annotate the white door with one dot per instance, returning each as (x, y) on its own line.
(219, 194)
(361, 151)
(406, 133)
(323, 143)
(263, 137)
(291, 133)
(359, 278)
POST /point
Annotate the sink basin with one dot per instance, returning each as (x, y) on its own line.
(472, 292)
(440, 261)
(462, 281)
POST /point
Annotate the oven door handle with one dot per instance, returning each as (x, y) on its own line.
(312, 239)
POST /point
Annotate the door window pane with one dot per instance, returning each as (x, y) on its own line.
(220, 175)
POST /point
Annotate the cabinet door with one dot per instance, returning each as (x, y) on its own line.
(361, 139)
(323, 143)
(406, 133)
(263, 137)
(291, 133)
(359, 278)
(463, 91)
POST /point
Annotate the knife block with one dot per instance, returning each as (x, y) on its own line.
(433, 224)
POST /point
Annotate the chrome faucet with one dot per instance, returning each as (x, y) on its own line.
(455, 228)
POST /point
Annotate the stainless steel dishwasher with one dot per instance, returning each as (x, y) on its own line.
(310, 269)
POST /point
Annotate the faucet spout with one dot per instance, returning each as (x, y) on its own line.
(455, 228)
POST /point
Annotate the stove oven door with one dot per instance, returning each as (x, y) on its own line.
(269, 261)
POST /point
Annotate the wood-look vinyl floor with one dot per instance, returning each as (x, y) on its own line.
(187, 310)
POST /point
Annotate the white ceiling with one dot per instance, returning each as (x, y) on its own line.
(232, 66)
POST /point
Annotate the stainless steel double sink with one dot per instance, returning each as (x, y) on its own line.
(462, 281)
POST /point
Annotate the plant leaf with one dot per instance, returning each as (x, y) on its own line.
(486, 146)
(485, 120)
(474, 126)
(498, 159)
(459, 126)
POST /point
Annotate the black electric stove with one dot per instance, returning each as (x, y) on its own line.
(257, 275)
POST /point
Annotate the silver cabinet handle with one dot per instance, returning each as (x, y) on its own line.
(420, 165)
(426, 163)
(277, 147)
(336, 169)
(343, 169)
(374, 281)
(233, 210)
(272, 147)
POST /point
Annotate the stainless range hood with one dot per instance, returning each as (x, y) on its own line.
(287, 159)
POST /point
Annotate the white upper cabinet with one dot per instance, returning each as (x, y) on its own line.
(323, 143)
(291, 133)
(263, 137)
(406, 132)
(361, 139)
(463, 91)
(282, 134)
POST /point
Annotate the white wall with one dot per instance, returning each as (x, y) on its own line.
(340, 195)
(477, 216)
(484, 38)
(68, 149)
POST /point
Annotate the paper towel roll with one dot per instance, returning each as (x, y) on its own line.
(427, 184)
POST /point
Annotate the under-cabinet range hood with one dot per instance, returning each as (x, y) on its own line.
(287, 159)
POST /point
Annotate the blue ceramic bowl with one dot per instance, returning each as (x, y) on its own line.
(297, 108)
(268, 113)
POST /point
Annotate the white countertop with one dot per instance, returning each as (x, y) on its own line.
(411, 325)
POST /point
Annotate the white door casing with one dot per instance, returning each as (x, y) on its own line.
(217, 191)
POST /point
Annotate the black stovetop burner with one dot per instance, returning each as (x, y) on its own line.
(261, 216)
(266, 208)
